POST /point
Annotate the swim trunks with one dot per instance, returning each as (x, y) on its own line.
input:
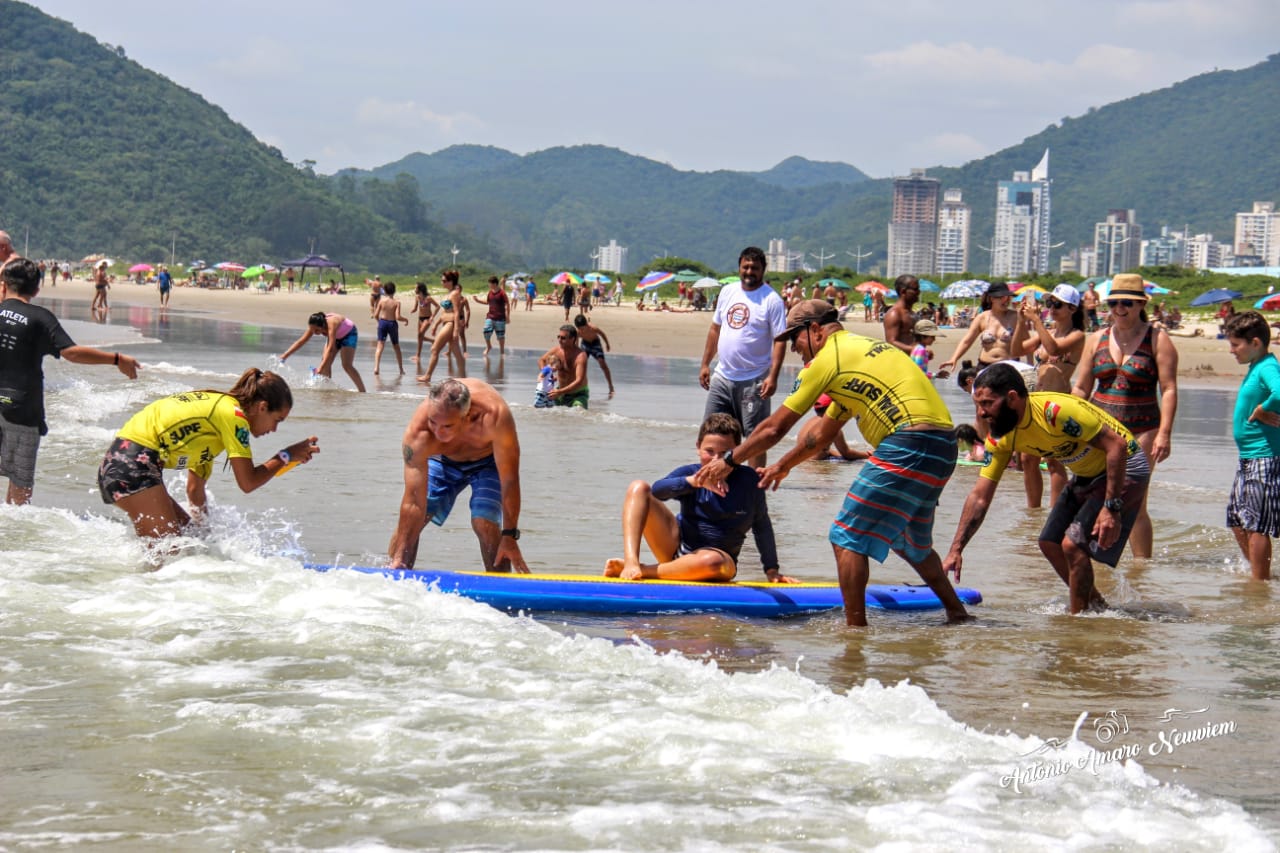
(388, 329)
(892, 503)
(576, 399)
(1077, 508)
(19, 445)
(447, 480)
(592, 348)
(127, 469)
(491, 326)
(1255, 496)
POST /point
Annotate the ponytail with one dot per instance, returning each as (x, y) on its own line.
(256, 385)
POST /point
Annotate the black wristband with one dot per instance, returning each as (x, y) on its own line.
(116, 360)
(513, 532)
(727, 456)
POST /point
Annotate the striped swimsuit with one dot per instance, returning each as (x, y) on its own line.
(1128, 391)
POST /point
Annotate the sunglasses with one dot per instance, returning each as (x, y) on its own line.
(1123, 303)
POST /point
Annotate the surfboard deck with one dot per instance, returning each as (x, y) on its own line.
(598, 594)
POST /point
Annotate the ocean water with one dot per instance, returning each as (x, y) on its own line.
(233, 700)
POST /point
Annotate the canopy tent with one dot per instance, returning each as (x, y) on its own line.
(315, 262)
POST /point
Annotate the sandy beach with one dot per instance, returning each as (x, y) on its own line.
(631, 332)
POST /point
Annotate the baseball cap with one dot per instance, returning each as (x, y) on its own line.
(1066, 293)
(927, 327)
(808, 311)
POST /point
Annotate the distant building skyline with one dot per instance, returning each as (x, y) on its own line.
(913, 226)
(953, 234)
(1020, 243)
(611, 258)
(1258, 234)
(1117, 242)
(778, 258)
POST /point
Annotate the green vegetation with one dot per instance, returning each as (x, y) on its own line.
(98, 154)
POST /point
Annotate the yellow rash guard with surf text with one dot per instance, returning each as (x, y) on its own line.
(1057, 426)
(190, 429)
(871, 381)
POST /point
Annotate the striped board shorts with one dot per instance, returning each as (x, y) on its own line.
(448, 478)
(1255, 496)
(891, 504)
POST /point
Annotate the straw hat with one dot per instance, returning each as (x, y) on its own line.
(1128, 286)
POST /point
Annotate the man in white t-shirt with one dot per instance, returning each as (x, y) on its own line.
(749, 316)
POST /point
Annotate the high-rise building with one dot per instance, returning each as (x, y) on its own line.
(913, 228)
(1169, 249)
(1258, 234)
(1023, 214)
(778, 258)
(953, 234)
(1117, 242)
(611, 258)
(1203, 252)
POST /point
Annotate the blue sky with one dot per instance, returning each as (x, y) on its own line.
(699, 84)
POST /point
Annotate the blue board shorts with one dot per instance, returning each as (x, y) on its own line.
(491, 326)
(350, 339)
(891, 504)
(389, 329)
(448, 478)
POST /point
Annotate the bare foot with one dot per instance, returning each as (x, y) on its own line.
(426, 379)
(613, 568)
(632, 573)
(610, 393)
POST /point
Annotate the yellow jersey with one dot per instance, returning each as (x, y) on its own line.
(871, 381)
(190, 429)
(1057, 426)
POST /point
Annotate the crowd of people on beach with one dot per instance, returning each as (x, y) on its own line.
(1097, 406)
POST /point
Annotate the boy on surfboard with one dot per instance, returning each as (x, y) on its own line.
(702, 543)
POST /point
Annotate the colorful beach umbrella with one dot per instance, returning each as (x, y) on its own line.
(229, 266)
(836, 283)
(1154, 289)
(141, 268)
(871, 287)
(597, 278)
(654, 280)
(1034, 289)
(1268, 303)
(1213, 297)
(970, 288)
(567, 278)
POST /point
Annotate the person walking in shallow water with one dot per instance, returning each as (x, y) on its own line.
(387, 313)
(590, 338)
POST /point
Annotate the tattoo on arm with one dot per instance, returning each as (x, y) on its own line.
(408, 453)
(970, 526)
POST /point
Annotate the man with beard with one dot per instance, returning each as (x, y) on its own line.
(1094, 514)
(743, 338)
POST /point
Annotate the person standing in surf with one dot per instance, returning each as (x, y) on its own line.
(462, 435)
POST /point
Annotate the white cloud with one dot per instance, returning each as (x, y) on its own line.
(378, 115)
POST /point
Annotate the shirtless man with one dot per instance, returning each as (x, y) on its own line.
(571, 371)
(1089, 299)
(900, 320)
(590, 337)
(387, 313)
(462, 435)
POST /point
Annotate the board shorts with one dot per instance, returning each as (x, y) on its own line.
(579, 399)
(592, 348)
(388, 329)
(447, 480)
(18, 448)
(128, 468)
(741, 399)
(350, 339)
(892, 502)
(491, 326)
(1254, 504)
(1077, 508)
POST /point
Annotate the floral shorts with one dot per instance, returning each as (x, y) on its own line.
(128, 468)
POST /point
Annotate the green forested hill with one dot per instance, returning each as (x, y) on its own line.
(1192, 154)
(98, 154)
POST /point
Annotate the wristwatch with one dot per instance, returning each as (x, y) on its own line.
(284, 456)
(513, 532)
(727, 456)
(1114, 504)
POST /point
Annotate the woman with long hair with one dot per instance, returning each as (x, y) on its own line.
(189, 430)
(1130, 370)
(340, 337)
(446, 328)
(1056, 351)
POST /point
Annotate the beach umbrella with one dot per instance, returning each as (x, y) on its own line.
(688, 275)
(871, 287)
(141, 268)
(1268, 303)
(968, 289)
(731, 279)
(255, 271)
(566, 278)
(597, 278)
(229, 266)
(1213, 297)
(927, 286)
(836, 283)
(654, 280)
(1028, 288)
(706, 284)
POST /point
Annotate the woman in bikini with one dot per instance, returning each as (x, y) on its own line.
(446, 326)
(424, 305)
(1056, 350)
(340, 340)
(1131, 371)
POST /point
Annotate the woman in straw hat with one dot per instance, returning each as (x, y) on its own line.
(1130, 369)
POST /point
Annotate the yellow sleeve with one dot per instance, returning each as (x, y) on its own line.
(998, 455)
(812, 382)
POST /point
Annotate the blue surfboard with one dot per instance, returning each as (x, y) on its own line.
(598, 594)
